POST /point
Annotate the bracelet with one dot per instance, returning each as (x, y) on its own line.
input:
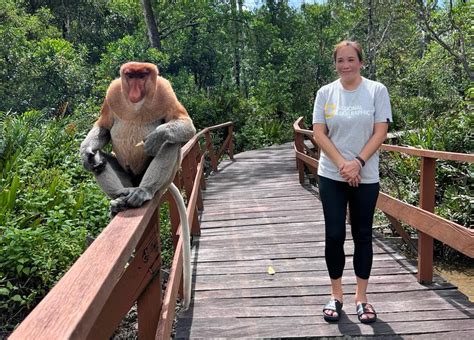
(362, 162)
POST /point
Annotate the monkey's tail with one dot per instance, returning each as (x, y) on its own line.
(186, 245)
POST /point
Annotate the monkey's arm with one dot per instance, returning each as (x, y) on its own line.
(164, 144)
(174, 131)
(95, 140)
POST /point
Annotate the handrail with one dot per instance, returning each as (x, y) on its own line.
(428, 224)
(123, 266)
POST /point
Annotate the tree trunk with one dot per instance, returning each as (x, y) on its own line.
(370, 41)
(236, 33)
(243, 78)
(153, 34)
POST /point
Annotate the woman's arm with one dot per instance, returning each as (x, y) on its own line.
(372, 145)
(351, 168)
(320, 134)
(379, 136)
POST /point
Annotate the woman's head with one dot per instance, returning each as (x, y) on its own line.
(354, 44)
(348, 62)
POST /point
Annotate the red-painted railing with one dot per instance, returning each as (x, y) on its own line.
(123, 265)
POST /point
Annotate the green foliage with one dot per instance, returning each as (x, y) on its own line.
(258, 68)
(129, 48)
(38, 69)
(454, 180)
(48, 206)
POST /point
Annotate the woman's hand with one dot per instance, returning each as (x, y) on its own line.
(349, 170)
(354, 182)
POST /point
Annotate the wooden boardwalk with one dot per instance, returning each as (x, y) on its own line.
(257, 215)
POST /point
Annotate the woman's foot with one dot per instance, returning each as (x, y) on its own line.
(365, 312)
(332, 310)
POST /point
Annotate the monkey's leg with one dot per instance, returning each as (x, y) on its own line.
(158, 176)
(112, 179)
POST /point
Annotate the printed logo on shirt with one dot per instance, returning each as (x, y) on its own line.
(353, 111)
(329, 110)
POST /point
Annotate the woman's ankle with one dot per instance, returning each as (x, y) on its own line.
(338, 295)
(360, 298)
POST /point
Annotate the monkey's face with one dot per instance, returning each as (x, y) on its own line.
(137, 79)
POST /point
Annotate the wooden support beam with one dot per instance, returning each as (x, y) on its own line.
(169, 302)
(299, 142)
(427, 202)
(453, 234)
(210, 150)
(149, 301)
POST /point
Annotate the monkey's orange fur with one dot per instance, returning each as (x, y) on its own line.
(129, 123)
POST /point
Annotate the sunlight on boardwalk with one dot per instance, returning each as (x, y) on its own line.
(258, 215)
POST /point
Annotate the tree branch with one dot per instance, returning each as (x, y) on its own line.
(424, 15)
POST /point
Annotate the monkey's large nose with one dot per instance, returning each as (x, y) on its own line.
(135, 97)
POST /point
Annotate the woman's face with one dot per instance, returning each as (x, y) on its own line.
(348, 64)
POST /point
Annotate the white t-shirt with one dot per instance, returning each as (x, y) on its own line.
(350, 117)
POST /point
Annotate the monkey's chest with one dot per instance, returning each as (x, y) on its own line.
(125, 137)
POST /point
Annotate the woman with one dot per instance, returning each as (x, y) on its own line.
(350, 122)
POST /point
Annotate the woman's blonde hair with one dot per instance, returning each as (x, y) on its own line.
(353, 44)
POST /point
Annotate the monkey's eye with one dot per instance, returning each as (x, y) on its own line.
(136, 75)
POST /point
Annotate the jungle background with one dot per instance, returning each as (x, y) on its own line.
(257, 64)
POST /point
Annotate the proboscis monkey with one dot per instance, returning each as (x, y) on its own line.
(146, 125)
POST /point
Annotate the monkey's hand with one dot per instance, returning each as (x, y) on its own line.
(93, 161)
(91, 157)
(175, 131)
(154, 140)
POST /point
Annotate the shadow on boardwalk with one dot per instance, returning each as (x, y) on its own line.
(257, 216)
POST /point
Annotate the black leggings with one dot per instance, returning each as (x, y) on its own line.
(335, 196)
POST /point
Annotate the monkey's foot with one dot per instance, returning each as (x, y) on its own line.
(117, 205)
(129, 198)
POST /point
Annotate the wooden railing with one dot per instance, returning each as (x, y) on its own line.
(429, 225)
(123, 265)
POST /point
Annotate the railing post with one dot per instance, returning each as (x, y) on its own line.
(299, 141)
(188, 181)
(149, 302)
(427, 202)
(231, 142)
(202, 151)
(210, 150)
(194, 163)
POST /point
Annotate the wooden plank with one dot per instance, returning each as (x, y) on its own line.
(452, 156)
(385, 301)
(448, 156)
(285, 265)
(73, 305)
(169, 302)
(438, 310)
(264, 220)
(304, 249)
(453, 234)
(149, 309)
(323, 290)
(295, 327)
(140, 271)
